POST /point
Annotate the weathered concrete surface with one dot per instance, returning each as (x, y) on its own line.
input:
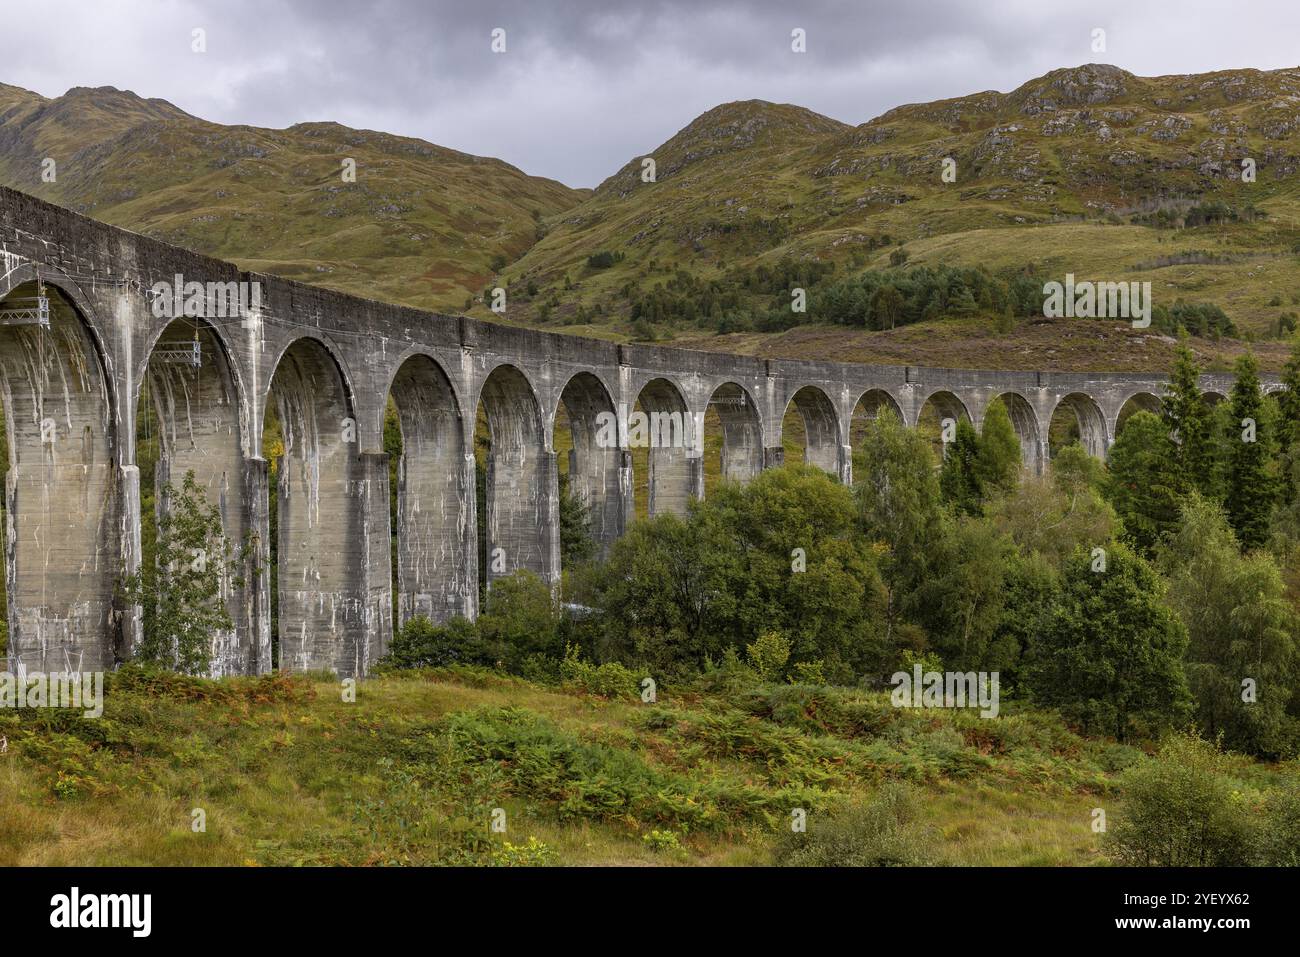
(329, 362)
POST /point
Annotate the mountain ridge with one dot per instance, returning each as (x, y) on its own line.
(742, 190)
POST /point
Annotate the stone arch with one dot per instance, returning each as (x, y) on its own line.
(668, 432)
(939, 406)
(1088, 425)
(195, 395)
(742, 432)
(521, 517)
(1212, 399)
(1137, 402)
(63, 536)
(944, 405)
(435, 576)
(1025, 421)
(821, 428)
(868, 407)
(321, 559)
(595, 458)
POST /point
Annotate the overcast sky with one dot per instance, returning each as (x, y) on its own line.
(583, 87)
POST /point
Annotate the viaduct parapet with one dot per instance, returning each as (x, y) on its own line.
(328, 363)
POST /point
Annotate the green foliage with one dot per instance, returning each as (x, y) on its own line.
(1110, 657)
(778, 554)
(979, 467)
(1278, 841)
(959, 479)
(576, 542)
(183, 590)
(899, 510)
(609, 680)
(768, 655)
(521, 622)
(884, 833)
(532, 854)
(520, 630)
(966, 604)
(1056, 514)
(419, 643)
(1241, 628)
(663, 842)
(1000, 454)
(1141, 483)
(1203, 319)
(883, 299)
(1288, 425)
(604, 259)
(1252, 481)
(592, 781)
(1187, 418)
(1182, 809)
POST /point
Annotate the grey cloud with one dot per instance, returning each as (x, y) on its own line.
(586, 86)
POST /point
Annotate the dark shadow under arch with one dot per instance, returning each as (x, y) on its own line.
(586, 441)
(821, 428)
(1078, 418)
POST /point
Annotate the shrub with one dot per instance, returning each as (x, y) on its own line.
(610, 680)
(421, 644)
(662, 841)
(769, 654)
(521, 621)
(1279, 838)
(1182, 810)
(884, 833)
(532, 854)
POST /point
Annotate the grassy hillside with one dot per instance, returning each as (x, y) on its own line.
(420, 225)
(1089, 170)
(288, 773)
(411, 773)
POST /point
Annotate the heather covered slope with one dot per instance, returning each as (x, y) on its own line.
(1090, 170)
(421, 225)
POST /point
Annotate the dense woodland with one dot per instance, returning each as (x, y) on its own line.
(1134, 597)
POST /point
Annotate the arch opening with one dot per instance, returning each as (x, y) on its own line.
(865, 411)
(309, 439)
(938, 408)
(1138, 402)
(1077, 418)
(1025, 422)
(811, 426)
(590, 460)
(429, 495)
(63, 500)
(733, 437)
(518, 518)
(188, 423)
(661, 439)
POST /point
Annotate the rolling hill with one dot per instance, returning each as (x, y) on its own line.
(420, 225)
(1089, 170)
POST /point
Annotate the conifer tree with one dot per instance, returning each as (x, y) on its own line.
(999, 454)
(1288, 426)
(1187, 417)
(1251, 487)
(1139, 482)
(959, 479)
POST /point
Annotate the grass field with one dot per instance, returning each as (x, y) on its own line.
(286, 772)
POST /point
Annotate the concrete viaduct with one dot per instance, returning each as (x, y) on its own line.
(329, 362)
